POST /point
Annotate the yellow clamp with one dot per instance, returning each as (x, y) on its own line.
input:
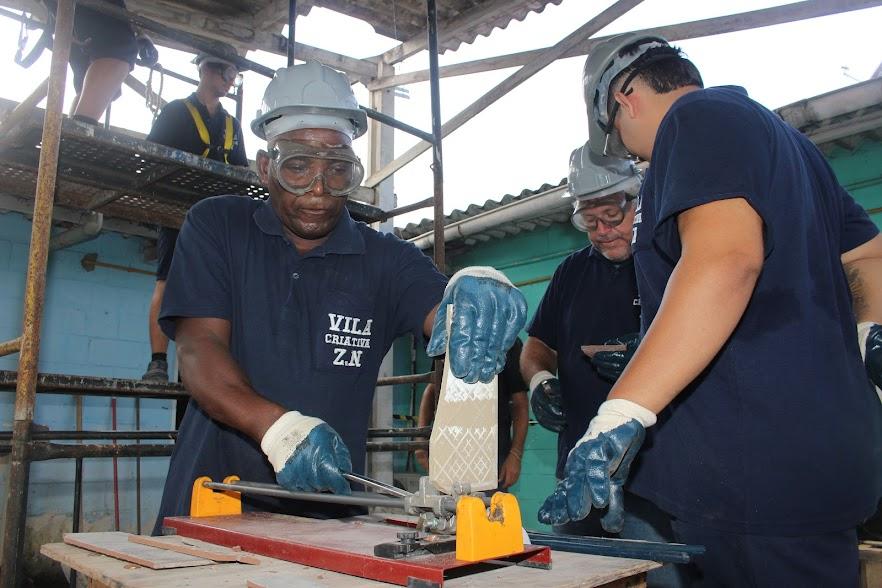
(205, 502)
(479, 536)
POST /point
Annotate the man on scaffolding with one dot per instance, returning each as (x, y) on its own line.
(283, 310)
(196, 124)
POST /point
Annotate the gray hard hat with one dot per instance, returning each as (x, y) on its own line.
(309, 96)
(593, 177)
(604, 63)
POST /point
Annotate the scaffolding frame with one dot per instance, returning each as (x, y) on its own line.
(378, 74)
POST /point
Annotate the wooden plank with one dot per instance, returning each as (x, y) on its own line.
(590, 350)
(677, 32)
(569, 570)
(117, 545)
(196, 548)
(871, 565)
(516, 79)
(120, 574)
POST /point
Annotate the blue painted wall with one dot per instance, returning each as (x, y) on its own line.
(95, 324)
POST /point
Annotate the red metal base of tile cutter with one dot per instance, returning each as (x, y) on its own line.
(344, 546)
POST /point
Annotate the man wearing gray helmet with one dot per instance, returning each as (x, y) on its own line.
(592, 298)
(283, 310)
(763, 432)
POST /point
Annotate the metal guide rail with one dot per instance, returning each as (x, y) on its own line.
(125, 177)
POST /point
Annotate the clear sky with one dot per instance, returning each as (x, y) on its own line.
(524, 140)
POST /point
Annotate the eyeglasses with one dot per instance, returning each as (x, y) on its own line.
(611, 216)
(298, 167)
(230, 73)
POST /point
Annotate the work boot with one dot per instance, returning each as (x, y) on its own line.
(157, 371)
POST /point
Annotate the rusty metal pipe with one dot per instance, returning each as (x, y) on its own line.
(373, 446)
(42, 451)
(12, 122)
(401, 432)
(10, 347)
(35, 291)
(406, 379)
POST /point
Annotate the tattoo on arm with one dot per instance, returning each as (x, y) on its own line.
(856, 285)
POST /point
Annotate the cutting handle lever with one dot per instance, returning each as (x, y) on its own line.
(381, 487)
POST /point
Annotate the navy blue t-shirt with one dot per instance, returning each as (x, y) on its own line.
(175, 127)
(308, 330)
(782, 433)
(589, 300)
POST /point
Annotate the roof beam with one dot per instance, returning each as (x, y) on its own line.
(547, 57)
(242, 34)
(677, 32)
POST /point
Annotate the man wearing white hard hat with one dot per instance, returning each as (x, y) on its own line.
(283, 310)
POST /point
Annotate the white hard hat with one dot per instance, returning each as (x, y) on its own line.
(309, 96)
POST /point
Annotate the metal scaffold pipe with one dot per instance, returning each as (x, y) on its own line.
(35, 290)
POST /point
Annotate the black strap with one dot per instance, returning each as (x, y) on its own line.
(44, 42)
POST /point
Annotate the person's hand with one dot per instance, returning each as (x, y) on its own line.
(870, 342)
(422, 457)
(611, 364)
(307, 454)
(489, 313)
(510, 470)
(598, 466)
(546, 401)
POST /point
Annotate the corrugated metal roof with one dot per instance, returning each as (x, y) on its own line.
(559, 215)
(398, 19)
(405, 19)
(842, 118)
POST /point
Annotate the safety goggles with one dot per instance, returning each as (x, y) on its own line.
(230, 73)
(297, 168)
(612, 215)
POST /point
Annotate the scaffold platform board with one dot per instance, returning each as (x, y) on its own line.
(125, 177)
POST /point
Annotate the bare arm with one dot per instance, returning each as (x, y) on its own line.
(705, 298)
(430, 321)
(216, 381)
(426, 417)
(863, 268)
(536, 357)
(520, 418)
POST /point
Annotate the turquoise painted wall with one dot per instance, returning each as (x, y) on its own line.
(529, 259)
(860, 171)
(95, 323)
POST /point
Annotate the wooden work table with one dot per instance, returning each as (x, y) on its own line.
(568, 570)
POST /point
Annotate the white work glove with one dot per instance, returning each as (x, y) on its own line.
(307, 454)
(614, 413)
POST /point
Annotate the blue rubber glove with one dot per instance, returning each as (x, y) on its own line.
(307, 454)
(546, 401)
(489, 313)
(611, 364)
(870, 341)
(598, 466)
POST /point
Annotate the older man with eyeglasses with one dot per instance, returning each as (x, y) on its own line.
(592, 298)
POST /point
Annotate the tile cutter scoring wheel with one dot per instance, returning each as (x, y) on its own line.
(454, 531)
